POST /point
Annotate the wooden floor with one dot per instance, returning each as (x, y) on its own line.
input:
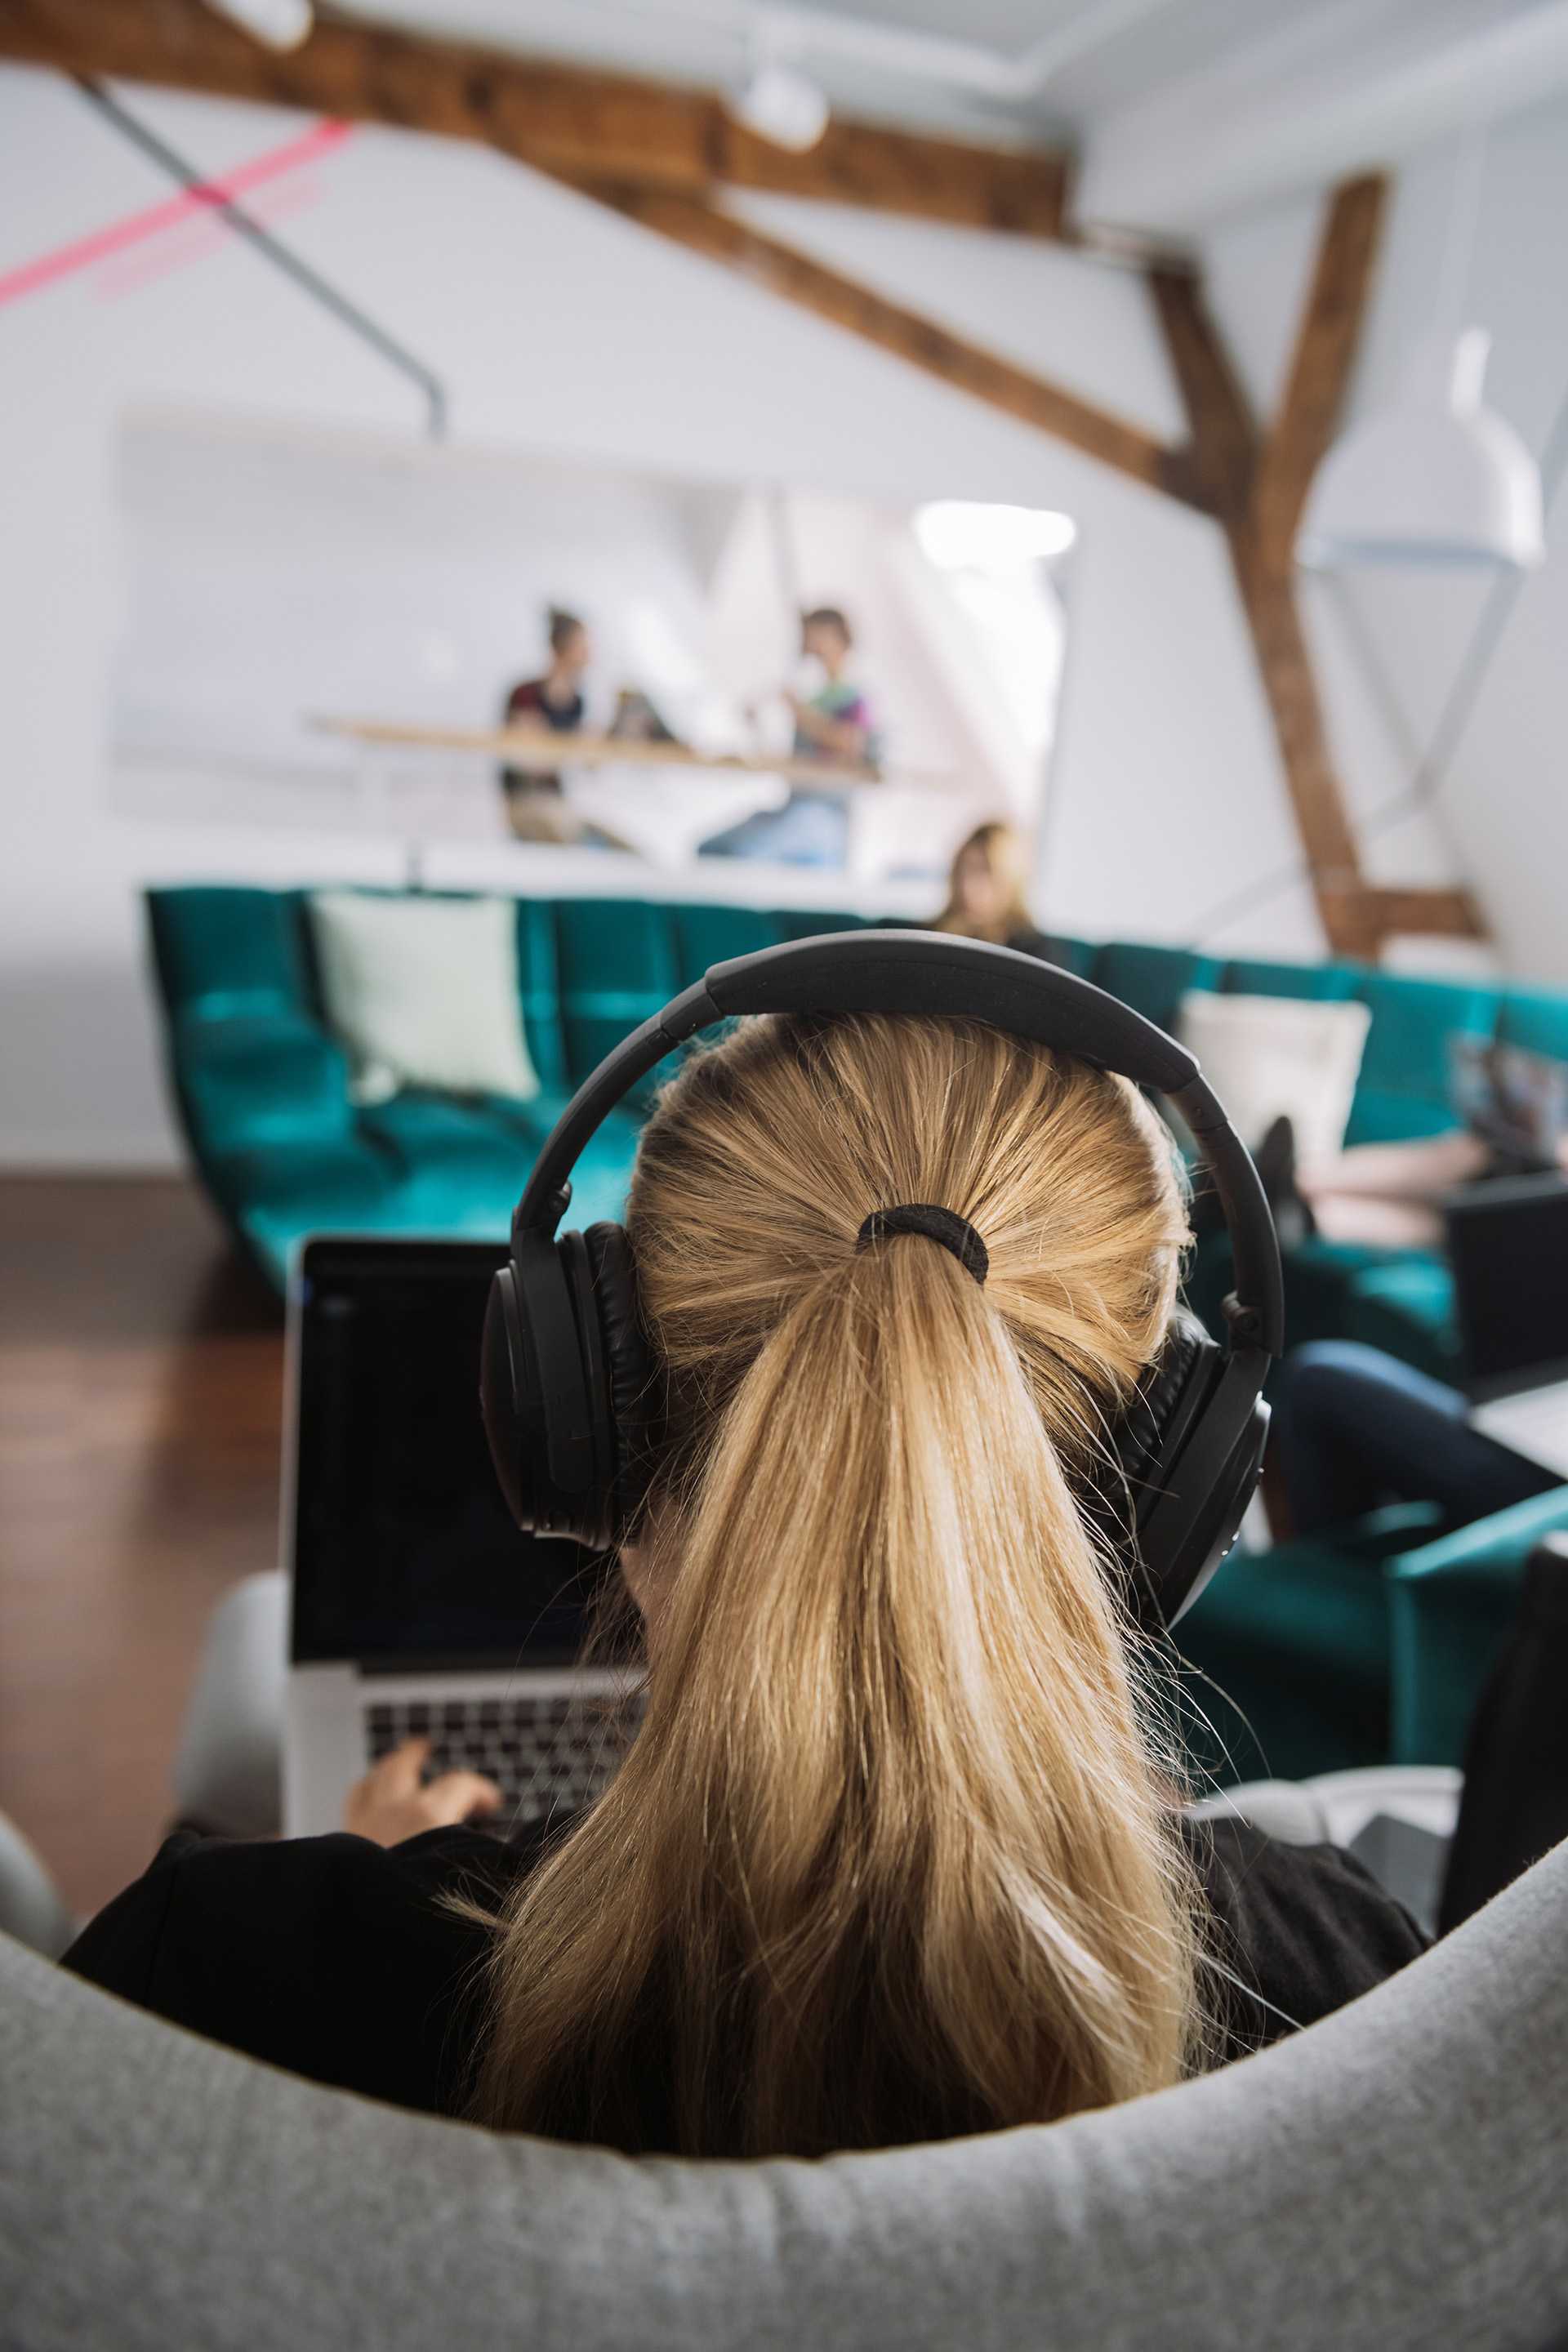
(140, 1368)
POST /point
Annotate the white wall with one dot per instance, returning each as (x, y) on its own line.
(556, 327)
(1502, 821)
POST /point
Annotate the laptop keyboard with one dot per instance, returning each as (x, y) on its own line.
(547, 1756)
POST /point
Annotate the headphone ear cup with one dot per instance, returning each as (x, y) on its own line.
(1161, 1408)
(1210, 1540)
(500, 1397)
(1145, 1440)
(632, 1382)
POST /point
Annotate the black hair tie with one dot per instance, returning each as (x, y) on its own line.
(954, 1232)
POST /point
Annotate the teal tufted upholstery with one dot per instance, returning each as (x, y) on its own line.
(262, 1087)
(1153, 980)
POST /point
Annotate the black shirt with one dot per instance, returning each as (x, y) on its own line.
(337, 1960)
(529, 700)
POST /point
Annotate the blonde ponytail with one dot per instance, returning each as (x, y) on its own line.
(891, 1858)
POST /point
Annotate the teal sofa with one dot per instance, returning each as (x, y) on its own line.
(1364, 1646)
(262, 1086)
(263, 1092)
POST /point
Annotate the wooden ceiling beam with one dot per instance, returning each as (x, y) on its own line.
(964, 366)
(657, 153)
(558, 116)
(1444, 912)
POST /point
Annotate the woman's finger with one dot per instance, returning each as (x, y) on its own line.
(458, 1796)
(398, 1772)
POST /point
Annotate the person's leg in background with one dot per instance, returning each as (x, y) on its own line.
(228, 1765)
(1355, 1428)
(1389, 1195)
(811, 829)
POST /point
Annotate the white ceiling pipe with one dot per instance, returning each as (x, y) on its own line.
(898, 50)
(1291, 112)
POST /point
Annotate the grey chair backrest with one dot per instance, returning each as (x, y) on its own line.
(1392, 2178)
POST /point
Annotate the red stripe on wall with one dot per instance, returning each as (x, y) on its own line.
(83, 251)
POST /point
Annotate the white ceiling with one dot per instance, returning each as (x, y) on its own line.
(1179, 110)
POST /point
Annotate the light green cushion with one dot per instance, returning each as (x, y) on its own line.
(424, 990)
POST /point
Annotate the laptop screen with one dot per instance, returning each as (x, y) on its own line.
(1508, 1242)
(403, 1553)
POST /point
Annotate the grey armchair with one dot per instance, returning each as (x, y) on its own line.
(1395, 2176)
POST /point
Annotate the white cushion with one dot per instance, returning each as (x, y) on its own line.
(1272, 1056)
(426, 989)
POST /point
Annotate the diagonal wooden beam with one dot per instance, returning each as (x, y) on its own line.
(559, 116)
(1320, 369)
(909, 335)
(1225, 438)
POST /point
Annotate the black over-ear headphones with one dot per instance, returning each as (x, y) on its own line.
(567, 1386)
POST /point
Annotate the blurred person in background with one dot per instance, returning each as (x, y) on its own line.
(985, 893)
(834, 723)
(534, 801)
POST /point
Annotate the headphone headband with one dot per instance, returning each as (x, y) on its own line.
(934, 974)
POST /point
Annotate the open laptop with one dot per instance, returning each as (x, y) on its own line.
(1515, 1101)
(417, 1606)
(1508, 1244)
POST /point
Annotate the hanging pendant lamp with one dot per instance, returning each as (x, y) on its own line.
(1439, 481)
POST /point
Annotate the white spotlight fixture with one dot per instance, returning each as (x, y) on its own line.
(1438, 481)
(275, 24)
(776, 102)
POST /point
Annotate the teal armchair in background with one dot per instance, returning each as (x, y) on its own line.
(1366, 1644)
(1450, 1603)
(1288, 1654)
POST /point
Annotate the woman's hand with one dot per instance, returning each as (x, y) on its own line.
(392, 1802)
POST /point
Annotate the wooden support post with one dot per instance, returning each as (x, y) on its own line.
(1319, 370)
(1257, 487)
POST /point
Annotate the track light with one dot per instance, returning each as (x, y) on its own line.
(779, 103)
(277, 24)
